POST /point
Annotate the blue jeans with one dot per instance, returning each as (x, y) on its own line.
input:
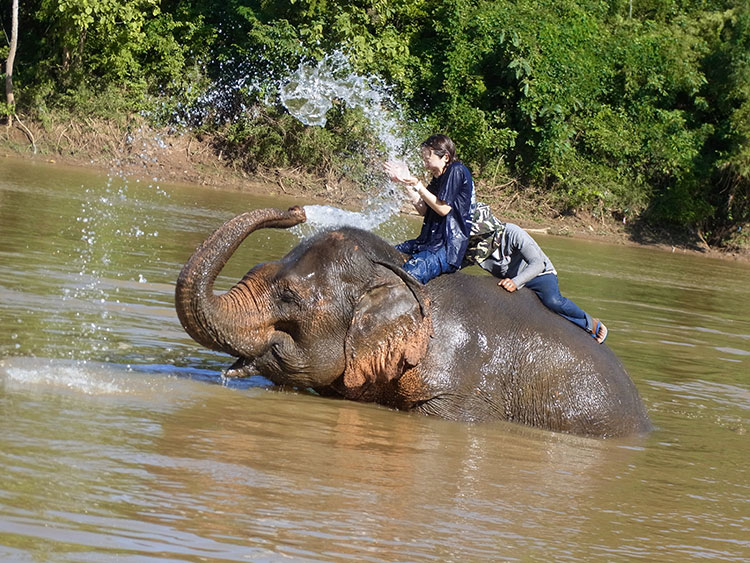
(547, 289)
(426, 265)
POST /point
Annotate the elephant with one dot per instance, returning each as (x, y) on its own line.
(338, 315)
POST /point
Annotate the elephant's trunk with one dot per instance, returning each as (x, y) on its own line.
(206, 317)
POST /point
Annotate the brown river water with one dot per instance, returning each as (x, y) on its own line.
(119, 440)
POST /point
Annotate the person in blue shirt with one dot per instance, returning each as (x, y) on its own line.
(447, 205)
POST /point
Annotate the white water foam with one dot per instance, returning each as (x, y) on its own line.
(94, 379)
(78, 376)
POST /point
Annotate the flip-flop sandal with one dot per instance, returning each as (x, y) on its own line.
(600, 328)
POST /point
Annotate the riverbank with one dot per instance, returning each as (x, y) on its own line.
(140, 152)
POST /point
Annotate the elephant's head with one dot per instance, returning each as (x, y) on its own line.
(336, 313)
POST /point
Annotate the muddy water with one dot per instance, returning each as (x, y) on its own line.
(119, 440)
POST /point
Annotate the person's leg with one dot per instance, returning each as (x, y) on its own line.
(426, 265)
(548, 291)
(407, 247)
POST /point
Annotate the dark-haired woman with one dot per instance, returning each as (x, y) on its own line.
(446, 204)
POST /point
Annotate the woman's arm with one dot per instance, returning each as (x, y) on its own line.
(416, 200)
(439, 206)
(420, 196)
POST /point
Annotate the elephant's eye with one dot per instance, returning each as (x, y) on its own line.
(289, 295)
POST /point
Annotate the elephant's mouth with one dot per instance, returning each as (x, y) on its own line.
(243, 367)
(272, 361)
(282, 362)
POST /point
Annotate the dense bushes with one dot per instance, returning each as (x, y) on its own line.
(640, 110)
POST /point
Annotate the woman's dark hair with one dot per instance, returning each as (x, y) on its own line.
(441, 145)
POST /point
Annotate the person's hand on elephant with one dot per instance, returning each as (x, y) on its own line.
(507, 284)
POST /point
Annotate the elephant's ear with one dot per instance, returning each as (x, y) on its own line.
(388, 334)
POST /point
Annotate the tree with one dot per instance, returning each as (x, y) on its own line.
(9, 97)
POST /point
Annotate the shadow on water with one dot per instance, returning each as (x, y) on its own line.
(642, 232)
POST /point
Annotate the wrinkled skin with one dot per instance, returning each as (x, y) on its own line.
(338, 315)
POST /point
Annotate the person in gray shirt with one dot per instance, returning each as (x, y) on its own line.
(509, 253)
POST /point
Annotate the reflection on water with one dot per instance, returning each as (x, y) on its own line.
(119, 440)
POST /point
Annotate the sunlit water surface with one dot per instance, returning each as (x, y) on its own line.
(120, 441)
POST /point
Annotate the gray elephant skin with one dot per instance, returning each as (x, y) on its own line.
(340, 316)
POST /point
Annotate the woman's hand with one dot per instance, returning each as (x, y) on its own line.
(507, 284)
(399, 172)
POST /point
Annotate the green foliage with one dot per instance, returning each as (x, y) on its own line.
(609, 113)
(73, 49)
(638, 109)
(728, 70)
(271, 137)
(98, 36)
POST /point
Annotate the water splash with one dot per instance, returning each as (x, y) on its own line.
(310, 92)
(78, 376)
(321, 217)
(103, 380)
(110, 221)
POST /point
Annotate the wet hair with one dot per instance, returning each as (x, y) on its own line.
(441, 145)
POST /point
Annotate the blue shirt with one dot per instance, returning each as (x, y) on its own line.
(455, 187)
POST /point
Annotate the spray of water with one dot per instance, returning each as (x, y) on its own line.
(310, 92)
(102, 229)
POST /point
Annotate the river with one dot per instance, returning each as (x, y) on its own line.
(119, 440)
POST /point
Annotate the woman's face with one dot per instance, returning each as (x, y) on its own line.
(433, 163)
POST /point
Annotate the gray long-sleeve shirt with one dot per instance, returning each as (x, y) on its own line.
(518, 257)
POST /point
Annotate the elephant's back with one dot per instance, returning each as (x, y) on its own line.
(526, 364)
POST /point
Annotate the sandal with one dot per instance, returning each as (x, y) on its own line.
(600, 331)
